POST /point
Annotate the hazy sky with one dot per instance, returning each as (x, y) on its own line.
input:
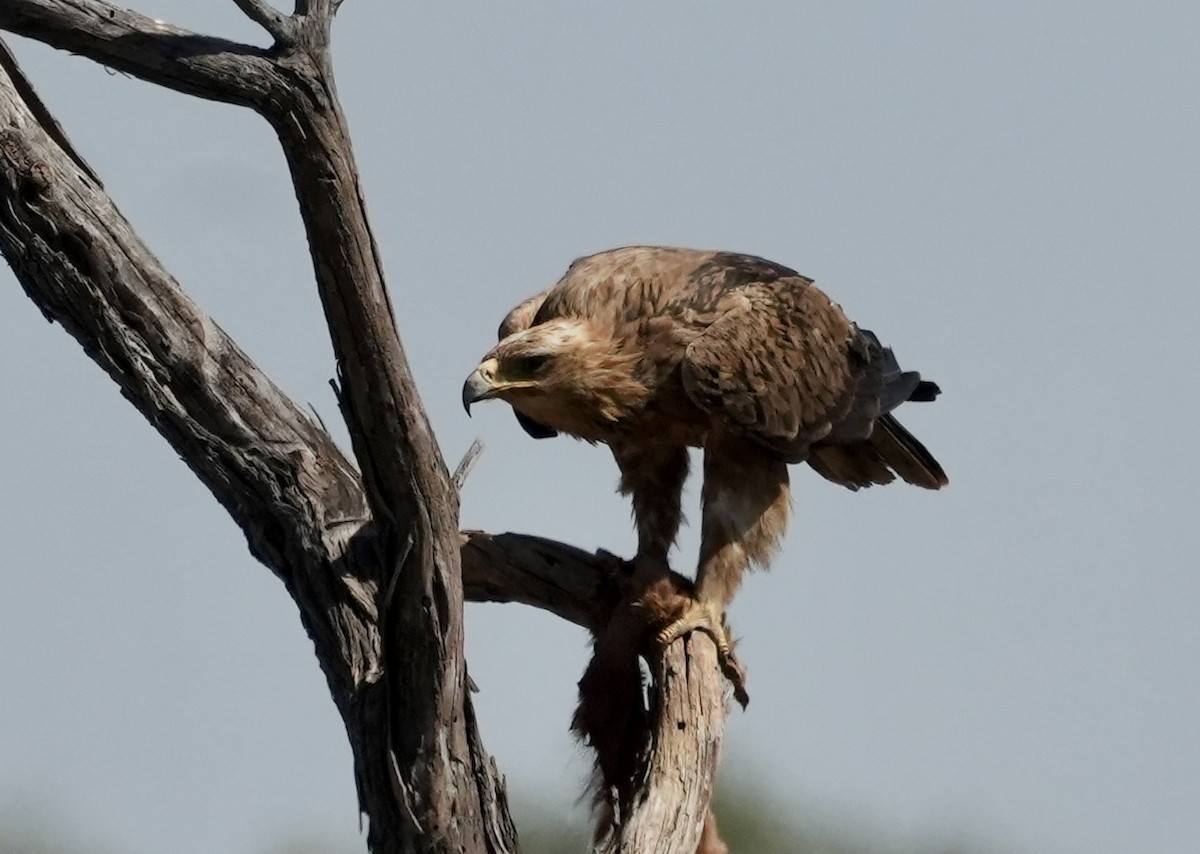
(1009, 194)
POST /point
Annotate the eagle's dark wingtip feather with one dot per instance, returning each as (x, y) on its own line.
(925, 392)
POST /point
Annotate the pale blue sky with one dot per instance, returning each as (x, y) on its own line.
(1008, 194)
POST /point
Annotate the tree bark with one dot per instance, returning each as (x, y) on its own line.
(422, 779)
(375, 562)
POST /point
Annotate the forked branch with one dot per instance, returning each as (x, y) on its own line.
(281, 27)
(280, 476)
(209, 67)
(339, 541)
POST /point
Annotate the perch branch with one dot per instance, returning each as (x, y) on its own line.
(689, 693)
(569, 582)
(688, 711)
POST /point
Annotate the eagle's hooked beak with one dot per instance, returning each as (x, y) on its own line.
(480, 385)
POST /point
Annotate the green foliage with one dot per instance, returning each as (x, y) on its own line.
(754, 821)
(26, 828)
(317, 843)
(751, 819)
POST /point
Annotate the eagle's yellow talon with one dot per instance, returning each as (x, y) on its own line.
(705, 617)
(700, 616)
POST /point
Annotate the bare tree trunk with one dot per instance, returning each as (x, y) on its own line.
(374, 561)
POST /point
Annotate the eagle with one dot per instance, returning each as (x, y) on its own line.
(653, 350)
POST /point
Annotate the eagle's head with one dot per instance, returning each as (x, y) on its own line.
(568, 374)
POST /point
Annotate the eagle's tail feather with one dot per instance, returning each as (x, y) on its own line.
(925, 392)
(889, 451)
(905, 455)
(854, 466)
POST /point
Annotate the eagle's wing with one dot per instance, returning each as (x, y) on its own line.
(779, 362)
(518, 320)
(521, 317)
(869, 445)
(775, 364)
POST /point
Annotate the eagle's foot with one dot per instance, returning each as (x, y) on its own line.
(708, 618)
(700, 616)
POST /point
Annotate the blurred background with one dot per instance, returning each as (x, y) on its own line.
(1008, 194)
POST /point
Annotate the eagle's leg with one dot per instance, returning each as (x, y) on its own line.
(653, 476)
(745, 502)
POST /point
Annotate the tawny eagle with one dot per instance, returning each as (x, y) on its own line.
(652, 350)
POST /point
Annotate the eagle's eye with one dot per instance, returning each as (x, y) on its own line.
(527, 366)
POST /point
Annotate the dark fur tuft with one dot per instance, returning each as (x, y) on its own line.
(612, 717)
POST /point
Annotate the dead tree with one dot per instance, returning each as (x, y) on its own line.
(370, 551)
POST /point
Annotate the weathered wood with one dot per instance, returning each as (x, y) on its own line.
(205, 66)
(568, 582)
(375, 563)
(281, 27)
(688, 723)
(282, 479)
(689, 694)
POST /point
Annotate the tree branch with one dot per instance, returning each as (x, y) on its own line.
(569, 582)
(156, 51)
(281, 27)
(80, 261)
(407, 484)
(688, 710)
(354, 554)
(8, 64)
(281, 478)
(689, 694)
(315, 8)
(463, 470)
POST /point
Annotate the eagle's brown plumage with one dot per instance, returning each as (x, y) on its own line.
(651, 350)
(654, 349)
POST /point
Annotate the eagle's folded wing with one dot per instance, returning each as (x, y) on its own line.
(774, 365)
